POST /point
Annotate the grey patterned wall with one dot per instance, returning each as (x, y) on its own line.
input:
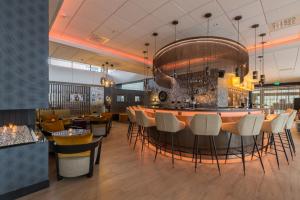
(23, 54)
(22, 166)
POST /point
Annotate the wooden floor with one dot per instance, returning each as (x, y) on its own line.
(127, 175)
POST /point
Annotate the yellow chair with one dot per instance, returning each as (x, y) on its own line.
(54, 126)
(75, 155)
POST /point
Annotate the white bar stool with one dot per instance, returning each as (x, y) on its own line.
(132, 123)
(206, 125)
(276, 126)
(288, 128)
(167, 123)
(249, 125)
(144, 122)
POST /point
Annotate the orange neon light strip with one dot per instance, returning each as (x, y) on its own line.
(68, 40)
(277, 42)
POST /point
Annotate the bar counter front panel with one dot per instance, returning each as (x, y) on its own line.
(184, 140)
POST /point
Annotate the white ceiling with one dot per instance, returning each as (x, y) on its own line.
(128, 24)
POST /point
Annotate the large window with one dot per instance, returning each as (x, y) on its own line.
(276, 98)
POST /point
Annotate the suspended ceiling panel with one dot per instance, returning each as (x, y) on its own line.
(125, 25)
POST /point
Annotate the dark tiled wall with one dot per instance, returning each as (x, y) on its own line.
(23, 54)
(19, 117)
(129, 98)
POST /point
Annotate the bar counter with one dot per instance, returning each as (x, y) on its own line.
(185, 138)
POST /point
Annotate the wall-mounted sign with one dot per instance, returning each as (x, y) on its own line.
(97, 95)
(76, 98)
(277, 83)
(284, 23)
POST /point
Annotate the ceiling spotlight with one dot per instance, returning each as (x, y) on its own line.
(175, 22)
(207, 15)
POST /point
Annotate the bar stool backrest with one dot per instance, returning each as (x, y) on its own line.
(167, 122)
(142, 119)
(279, 122)
(250, 124)
(291, 119)
(206, 124)
(131, 115)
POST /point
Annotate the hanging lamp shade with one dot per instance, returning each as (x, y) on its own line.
(255, 72)
(255, 75)
(262, 76)
(237, 69)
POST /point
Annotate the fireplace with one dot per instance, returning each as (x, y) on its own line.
(23, 154)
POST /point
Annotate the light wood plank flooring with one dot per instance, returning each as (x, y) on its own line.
(127, 175)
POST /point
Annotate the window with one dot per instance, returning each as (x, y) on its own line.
(277, 98)
(75, 65)
(137, 99)
(60, 63)
(133, 86)
(120, 98)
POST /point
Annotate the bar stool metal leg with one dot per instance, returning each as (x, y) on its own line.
(272, 137)
(178, 145)
(243, 155)
(255, 144)
(292, 140)
(215, 150)
(253, 149)
(228, 147)
(138, 134)
(143, 137)
(157, 143)
(290, 145)
(268, 143)
(196, 151)
(131, 132)
(194, 146)
(286, 157)
(128, 131)
(172, 149)
(262, 142)
(211, 151)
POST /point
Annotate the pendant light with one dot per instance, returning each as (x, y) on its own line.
(155, 38)
(105, 81)
(255, 72)
(262, 75)
(207, 16)
(237, 70)
(260, 67)
(175, 23)
(145, 52)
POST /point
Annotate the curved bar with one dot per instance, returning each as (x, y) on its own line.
(185, 139)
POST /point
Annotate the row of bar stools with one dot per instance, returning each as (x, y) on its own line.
(249, 125)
